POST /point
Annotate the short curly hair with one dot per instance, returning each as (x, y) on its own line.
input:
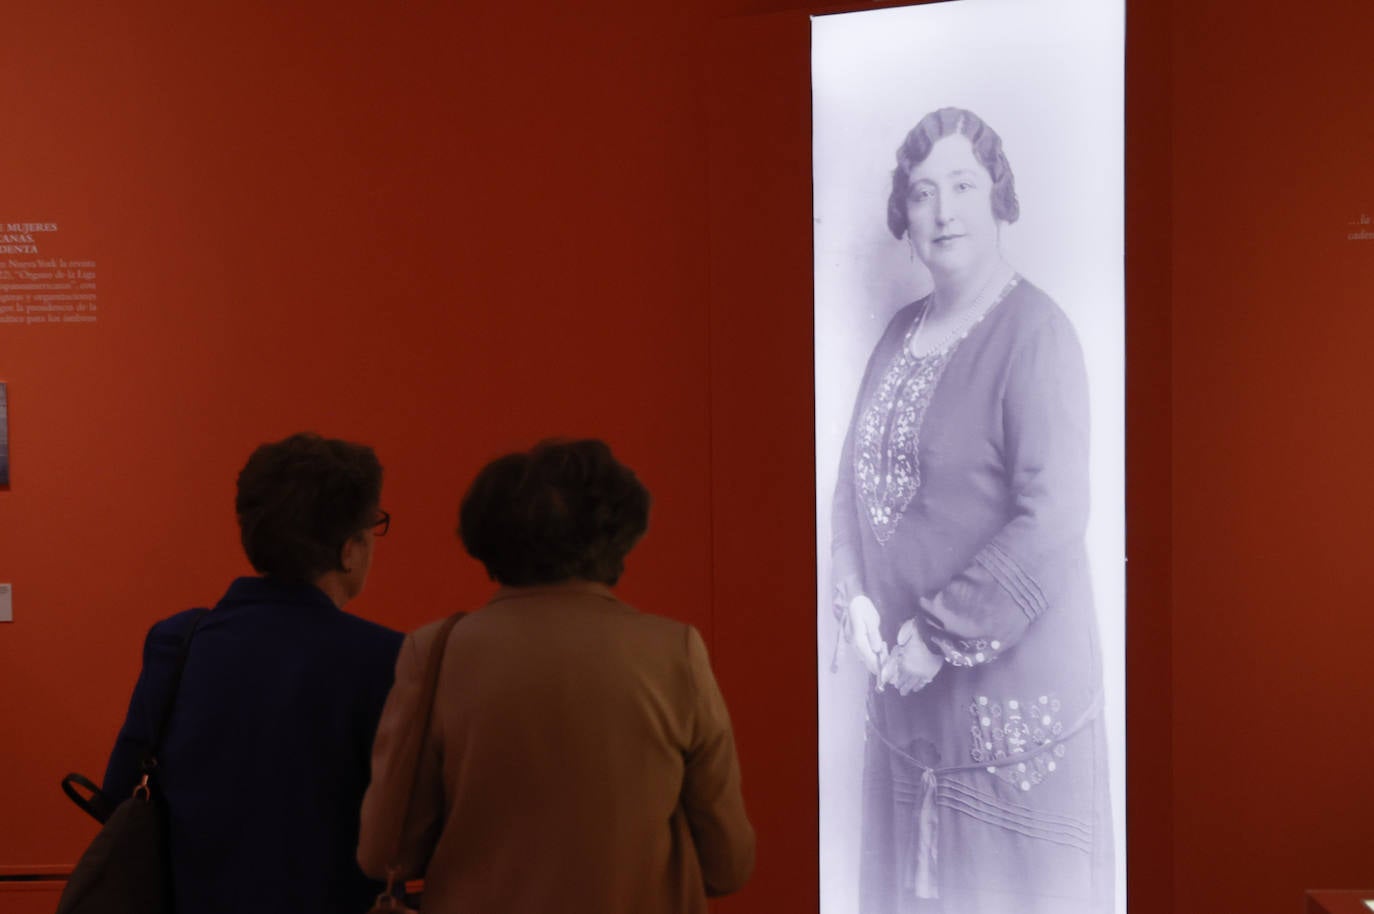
(987, 149)
(300, 499)
(563, 510)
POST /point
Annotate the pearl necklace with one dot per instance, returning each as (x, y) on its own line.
(972, 315)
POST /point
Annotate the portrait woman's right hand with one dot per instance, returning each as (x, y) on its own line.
(861, 629)
(912, 665)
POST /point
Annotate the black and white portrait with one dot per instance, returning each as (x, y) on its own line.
(969, 452)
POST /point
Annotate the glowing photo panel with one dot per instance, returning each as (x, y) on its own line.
(969, 314)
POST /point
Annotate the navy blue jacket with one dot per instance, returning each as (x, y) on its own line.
(266, 759)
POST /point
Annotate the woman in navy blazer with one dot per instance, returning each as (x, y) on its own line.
(266, 756)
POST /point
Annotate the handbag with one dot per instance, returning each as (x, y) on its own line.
(126, 867)
(390, 902)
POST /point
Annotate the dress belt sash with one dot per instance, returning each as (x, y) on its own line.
(919, 871)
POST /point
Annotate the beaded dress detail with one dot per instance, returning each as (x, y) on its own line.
(887, 468)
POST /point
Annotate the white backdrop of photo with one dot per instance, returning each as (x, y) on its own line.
(1048, 76)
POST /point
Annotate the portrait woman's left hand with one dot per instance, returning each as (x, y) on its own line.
(911, 665)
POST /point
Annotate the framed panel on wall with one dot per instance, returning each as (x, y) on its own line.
(969, 396)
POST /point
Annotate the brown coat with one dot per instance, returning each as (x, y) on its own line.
(580, 759)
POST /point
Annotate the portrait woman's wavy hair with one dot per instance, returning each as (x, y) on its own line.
(987, 149)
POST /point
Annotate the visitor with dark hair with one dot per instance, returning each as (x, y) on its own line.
(580, 757)
(265, 758)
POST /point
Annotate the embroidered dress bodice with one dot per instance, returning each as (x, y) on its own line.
(887, 467)
(961, 505)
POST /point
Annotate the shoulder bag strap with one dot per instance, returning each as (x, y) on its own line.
(150, 757)
(86, 794)
(432, 668)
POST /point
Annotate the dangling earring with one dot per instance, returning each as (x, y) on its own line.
(910, 249)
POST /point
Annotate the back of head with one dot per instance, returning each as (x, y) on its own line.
(561, 511)
(300, 499)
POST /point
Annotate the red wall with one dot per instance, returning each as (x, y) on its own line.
(1273, 497)
(449, 234)
(762, 444)
(1149, 465)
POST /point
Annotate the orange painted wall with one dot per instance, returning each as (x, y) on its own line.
(1149, 462)
(36, 897)
(1273, 497)
(762, 445)
(449, 234)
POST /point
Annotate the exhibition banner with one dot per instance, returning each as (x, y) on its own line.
(969, 347)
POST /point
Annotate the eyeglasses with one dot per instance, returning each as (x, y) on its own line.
(382, 525)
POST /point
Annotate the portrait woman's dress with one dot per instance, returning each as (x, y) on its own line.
(962, 501)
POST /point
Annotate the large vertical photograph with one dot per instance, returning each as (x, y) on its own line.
(969, 313)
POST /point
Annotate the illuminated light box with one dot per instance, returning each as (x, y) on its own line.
(969, 339)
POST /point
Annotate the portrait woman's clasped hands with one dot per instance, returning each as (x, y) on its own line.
(910, 666)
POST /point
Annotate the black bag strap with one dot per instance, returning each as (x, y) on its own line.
(96, 802)
(150, 757)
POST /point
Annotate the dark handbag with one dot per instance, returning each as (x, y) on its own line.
(390, 902)
(126, 869)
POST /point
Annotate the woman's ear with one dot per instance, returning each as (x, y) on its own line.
(350, 553)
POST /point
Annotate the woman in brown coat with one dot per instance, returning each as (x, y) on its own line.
(580, 756)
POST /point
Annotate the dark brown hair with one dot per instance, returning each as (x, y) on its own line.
(563, 510)
(300, 499)
(987, 149)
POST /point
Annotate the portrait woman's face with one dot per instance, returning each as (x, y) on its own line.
(949, 209)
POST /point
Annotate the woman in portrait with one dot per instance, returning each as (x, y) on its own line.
(960, 567)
